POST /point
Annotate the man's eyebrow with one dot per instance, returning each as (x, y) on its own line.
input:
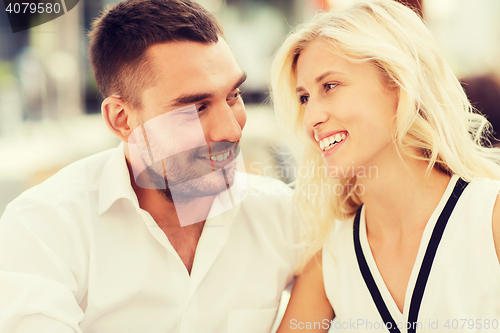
(190, 99)
(195, 98)
(242, 79)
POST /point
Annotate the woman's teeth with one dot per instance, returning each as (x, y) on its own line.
(331, 141)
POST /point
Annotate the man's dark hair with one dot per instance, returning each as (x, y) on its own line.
(120, 36)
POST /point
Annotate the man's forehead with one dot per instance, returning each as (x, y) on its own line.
(193, 68)
(181, 54)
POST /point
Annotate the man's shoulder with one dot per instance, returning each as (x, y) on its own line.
(82, 176)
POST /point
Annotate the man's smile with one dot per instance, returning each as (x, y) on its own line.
(219, 160)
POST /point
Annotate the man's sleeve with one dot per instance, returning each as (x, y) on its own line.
(294, 233)
(42, 270)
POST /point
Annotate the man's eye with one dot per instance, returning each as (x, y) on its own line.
(303, 99)
(235, 95)
(201, 108)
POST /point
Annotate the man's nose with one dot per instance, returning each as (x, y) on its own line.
(226, 124)
(314, 115)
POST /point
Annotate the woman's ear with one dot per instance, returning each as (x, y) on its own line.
(116, 114)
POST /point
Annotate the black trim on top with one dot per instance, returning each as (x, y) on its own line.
(425, 268)
(389, 322)
(430, 253)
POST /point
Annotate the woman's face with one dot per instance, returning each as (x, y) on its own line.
(349, 111)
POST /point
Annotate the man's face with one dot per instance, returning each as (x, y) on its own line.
(191, 118)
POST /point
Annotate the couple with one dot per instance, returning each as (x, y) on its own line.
(164, 234)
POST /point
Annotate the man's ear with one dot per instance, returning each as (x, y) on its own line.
(116, 114)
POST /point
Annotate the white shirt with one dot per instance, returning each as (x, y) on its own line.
(462, 293)
(78, 254)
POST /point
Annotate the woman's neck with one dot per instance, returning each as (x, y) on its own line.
(401, 197)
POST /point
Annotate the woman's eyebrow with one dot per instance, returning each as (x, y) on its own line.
(299, 90)
(322, 76)
(319, 78)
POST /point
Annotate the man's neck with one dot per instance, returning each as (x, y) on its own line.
(182, 222)
(170, 215)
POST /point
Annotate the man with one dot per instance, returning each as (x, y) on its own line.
(160, 234)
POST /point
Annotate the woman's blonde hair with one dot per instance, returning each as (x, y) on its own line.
(434, 116)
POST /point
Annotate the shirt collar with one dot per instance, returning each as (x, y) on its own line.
(115, 181)
(227, 204)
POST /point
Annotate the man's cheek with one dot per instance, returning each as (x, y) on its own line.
(177, 132)
(174, 134)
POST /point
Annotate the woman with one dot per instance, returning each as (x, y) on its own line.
(397, 158)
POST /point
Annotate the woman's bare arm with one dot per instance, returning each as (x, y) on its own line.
(496, 226)
(308, 310)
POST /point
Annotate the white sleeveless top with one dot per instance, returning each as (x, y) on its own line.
(462, 293)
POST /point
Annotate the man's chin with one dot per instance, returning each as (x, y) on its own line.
(210, 184)
(221, 179)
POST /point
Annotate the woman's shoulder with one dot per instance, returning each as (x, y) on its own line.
(485, 182)
(482, 191)
(484, 205)
(496, 215)
(341, 234)
(341, 227)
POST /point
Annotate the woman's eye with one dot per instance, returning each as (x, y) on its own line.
(303, 99)
(329, 86)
